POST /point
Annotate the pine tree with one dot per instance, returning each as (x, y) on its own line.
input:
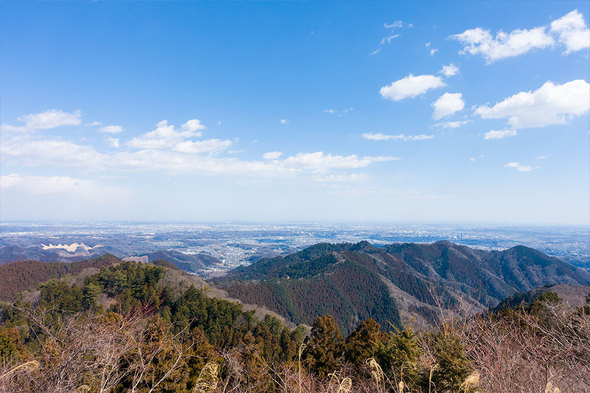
(323, 348)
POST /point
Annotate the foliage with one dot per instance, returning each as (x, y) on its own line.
(123, 330)
(324, 346)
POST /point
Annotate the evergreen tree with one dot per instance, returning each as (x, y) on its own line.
(363, 341)
(324, 347)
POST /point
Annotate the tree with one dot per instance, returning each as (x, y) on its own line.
(362, 342)
(452, 366)
(399, 356)
(323, 348)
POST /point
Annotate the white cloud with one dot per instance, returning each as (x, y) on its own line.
(113, 142)
(543, 157)
(171, 151)
(480, 42)
(447, 104)
(62, 185)
(421, 137)
(377, 136)
(166, 136)
(192, 126)
(46, 120)
(398, 24)
(111, 129)
(519, 167)
(433, 51)
(272, 155)
(337, 112)
(449, 70)
(45, 152)
(284, 121)
(571, 31)
(410, 86)
(389, 38)
(321, 162)
(499, 134)
(550, 104)
(452, 124)
(400, 137)
(64, 154)
(342, 178)
(51, 119)
(212, 146)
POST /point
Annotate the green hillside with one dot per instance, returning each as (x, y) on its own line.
(397, 283)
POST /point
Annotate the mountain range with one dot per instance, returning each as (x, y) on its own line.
(399, 284)
(402, 283)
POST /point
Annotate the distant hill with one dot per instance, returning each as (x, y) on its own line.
(14, 253)
(24, 276)
(70, 253)
(187, 262)
(21, 276)
(395, 283)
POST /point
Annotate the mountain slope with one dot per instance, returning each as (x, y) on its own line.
(187, 262)
(573, 296)
(20, 276)
(394, 283)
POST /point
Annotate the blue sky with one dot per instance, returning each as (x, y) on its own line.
(296, 111)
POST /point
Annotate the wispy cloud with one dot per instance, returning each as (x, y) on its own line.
(342, 178)
(46, 120)
(449, 70)
(113, 142)
(398, 24)
(387, 40)
(272, 155)
(170, 150)
(111, 129)
(400, 137)
(452, 124)
(166, 135)
(337, 112)
(519, 167)
(63, 185)
(499, 134)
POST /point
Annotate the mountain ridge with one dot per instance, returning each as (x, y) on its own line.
(418, 279)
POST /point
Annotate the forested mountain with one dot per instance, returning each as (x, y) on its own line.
(13, 253)
(394, 284)
(187, 262)
(132, 327)
(572, 296)
(19, 276)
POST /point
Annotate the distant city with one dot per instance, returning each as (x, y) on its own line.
(235, 244)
